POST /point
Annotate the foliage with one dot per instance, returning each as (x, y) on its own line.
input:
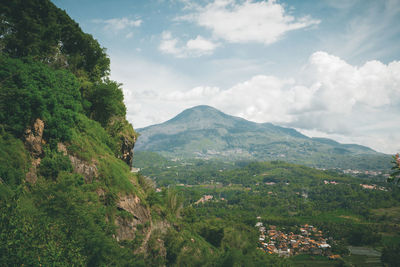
(31, 90)
(282, 194)
(50, 69)
(57, 223)
(38, 29)
(174, 203)
(391, 255)
(396, 169)
(106, 100)
(13, 160)
(54, 163)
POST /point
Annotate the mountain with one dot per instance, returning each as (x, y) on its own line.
(205, 132)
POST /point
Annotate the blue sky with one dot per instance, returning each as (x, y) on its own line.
(327, 68)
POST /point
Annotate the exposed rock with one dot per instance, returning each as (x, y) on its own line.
(126, 227)
(34, 138)
(62, 148)
(88, 170)
(127, 145)
(131, 204)
(100, 192)
(33, 143)
(120, 129)
(31, 175)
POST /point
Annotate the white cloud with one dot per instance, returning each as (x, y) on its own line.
(201, 45)
(168, 45)
(145, 83)
(353, 104)
(118, 24)
(263, 22)
(193, 47)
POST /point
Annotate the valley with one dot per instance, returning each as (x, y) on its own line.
(286, 197)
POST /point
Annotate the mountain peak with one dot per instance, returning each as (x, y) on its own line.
(199, 112)
(199, 118)
(205, 132)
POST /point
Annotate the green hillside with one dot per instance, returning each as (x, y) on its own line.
(205, 132)
(68, 196)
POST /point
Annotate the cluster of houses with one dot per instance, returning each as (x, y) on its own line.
(365, 186)
(330, 182)
(308, 241)
(204, 199)
(373, 187)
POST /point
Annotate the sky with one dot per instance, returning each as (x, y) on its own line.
(328, 68)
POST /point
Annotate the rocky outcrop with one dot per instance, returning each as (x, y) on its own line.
(31, 176)
(34, 138)
(87, 170)
(127, 145)
(120, 129)
(33, 142)
(127, 227)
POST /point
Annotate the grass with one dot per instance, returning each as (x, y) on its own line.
(390, 239)
(391, 214)
(310, 261)
(91, 143)
(363, 261)
(363, 257)
(365, 251)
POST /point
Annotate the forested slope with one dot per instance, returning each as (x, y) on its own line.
(67, 193)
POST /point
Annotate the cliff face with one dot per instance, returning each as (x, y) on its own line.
(70, 190)
(127, 227)
(124, 134)
(139, 214)
(126, 152)
(33, 142)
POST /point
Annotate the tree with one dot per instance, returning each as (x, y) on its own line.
(107, 100)
(395, 175)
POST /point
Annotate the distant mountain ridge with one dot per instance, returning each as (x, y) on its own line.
(205, 132)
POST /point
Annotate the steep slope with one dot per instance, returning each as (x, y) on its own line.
(67, 193)
(68, 196)
(205, 132)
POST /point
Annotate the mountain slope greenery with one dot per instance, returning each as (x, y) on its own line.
(67, 193)
(206, 133)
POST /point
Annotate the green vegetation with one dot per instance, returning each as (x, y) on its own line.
(396, 169)
(287, 196)
(203, 132)
(53, 72)
(32, 90)
(62, 123)
(69, 198)
(14, 161)
(39, 30)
